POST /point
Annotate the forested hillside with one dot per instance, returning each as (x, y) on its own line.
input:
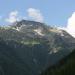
(65, 66)
(29, 47)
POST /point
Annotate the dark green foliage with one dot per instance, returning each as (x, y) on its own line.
(66, 66)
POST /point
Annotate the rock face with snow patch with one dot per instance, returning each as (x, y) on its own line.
(28, 47)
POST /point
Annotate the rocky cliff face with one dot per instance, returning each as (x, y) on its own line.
(28, 47)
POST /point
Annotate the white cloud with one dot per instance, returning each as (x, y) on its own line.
(13, 17)
(71, 25)
(35, 14)
(70, 28)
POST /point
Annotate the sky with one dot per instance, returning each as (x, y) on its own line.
(52, 12)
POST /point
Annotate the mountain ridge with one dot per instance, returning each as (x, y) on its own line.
(32, 47)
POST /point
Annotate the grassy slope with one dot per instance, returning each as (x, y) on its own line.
(65, 67)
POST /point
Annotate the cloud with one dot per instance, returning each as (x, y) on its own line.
(35, 14)
(71, 25)
(13, 17)
(70, 28)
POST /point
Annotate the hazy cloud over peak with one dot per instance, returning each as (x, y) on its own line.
(35, 14)
(13, 17)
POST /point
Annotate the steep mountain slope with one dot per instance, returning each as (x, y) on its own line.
(19, 59)
(66, 66)
(28, 47)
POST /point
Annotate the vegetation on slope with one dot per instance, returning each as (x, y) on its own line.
(65, 66)
(20, 59)
(24, 52)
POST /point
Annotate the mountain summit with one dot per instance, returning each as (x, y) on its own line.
(28, 47)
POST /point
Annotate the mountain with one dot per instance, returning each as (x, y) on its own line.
(65, 66)
(29, 48)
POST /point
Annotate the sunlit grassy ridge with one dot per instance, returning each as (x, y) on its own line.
(30, 42)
